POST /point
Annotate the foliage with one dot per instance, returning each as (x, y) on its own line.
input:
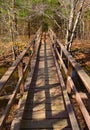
(51, 12)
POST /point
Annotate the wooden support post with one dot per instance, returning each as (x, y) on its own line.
(61, 57)
(70, 69)
(34, 48)
(69, 74)
(20, 74)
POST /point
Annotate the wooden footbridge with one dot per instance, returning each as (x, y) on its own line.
(51, 78)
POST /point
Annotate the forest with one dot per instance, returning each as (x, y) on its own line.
(19, 22)
(19, 19)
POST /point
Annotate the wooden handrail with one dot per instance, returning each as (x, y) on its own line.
(71, 114)
(80, 102)
(82, 74)
(8, 74)
(11, 70)
(68, 70)
(21, 105)
(21, 72)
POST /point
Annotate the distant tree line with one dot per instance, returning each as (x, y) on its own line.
(70, 19)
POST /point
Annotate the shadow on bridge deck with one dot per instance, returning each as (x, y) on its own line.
(45, 107)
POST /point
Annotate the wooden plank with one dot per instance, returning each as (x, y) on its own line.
(7, 97)
(34, 111)
(61, 61)
(40, 115)
(8, 74)
(5, 79)
(82, 74)
(11, 70)
(20, 74)
(67, 128)
(47, 123)
(83, 109)
(12, 98)
(9, 105)
(41, 106)
(72, 117)
(18, 117)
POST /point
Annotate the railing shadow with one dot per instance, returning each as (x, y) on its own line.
(50, 119)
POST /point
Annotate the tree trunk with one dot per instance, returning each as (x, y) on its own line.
(14, 28)
(71, 37)
(70, 26)
(29, 26)
(83, 29)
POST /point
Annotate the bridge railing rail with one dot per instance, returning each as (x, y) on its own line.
(71, 73)
(22, 71)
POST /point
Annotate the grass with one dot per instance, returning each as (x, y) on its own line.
(81, 52)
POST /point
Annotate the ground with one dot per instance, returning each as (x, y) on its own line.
(81, 52)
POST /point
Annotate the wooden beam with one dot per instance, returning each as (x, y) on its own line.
(72, 117)
(8, 74)
(11, 70)
(82, 74)
(81, 105)
(61, 61)
(19, 113)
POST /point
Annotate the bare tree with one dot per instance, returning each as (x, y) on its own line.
(73, 24)
(13, 26)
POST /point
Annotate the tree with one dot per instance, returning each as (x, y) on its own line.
(62, 15)
(73, 24)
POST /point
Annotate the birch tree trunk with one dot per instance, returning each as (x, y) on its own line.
(71, 20)
(71, 31)
(75, 25)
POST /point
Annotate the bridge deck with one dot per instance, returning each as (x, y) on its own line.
(45, 107)
(45, 103)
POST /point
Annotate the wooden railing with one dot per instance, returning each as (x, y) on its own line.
(18, 66)
(71, 72)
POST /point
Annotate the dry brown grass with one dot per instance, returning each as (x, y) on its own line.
(81, 52)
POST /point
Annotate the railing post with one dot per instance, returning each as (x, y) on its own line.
(69, 75)
(20, 74)
(70, 69)
(33, 47)
(61, 56)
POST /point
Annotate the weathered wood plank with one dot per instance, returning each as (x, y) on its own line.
(82, 74)
(6, 112)
(70, 85)
(18, 117)
(8, 74)
(42, 124)
(40, 115)
(67, 128)
(20, 74)
(61, 61)
(11, 70)
(72, 117)
(83, 109)
(46, 108)
(12, 98)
